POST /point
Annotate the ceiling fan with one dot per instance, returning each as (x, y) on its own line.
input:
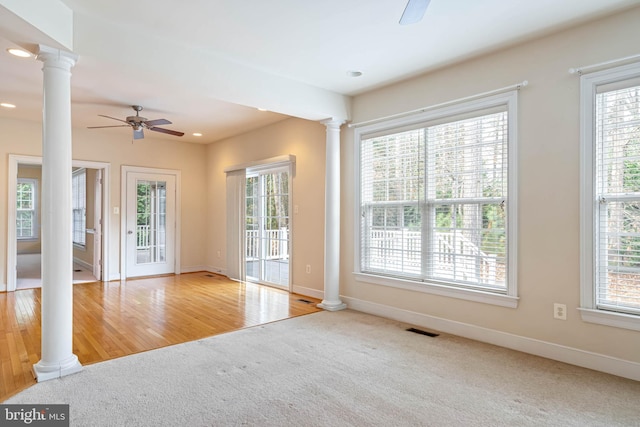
(414, 11)
(139, 123)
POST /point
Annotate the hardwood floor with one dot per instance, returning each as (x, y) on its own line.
(117, 319)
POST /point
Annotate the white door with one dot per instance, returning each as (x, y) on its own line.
(150, 224)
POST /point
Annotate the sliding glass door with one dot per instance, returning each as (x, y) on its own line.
(267, 227)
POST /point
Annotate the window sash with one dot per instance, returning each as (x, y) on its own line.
(79, 204)
(26, 209)
(412, 181)
(617, 193)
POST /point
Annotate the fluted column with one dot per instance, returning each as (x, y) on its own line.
(57, 357)
(331, 299)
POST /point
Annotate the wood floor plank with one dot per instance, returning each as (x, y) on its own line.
(120, 318)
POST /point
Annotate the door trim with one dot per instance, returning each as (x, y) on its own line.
(12, 180)
(123, 213)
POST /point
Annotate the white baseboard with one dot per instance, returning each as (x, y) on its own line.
(217, 270)
(308, 292)
(573, 356)
(84, 264)
(193, 269)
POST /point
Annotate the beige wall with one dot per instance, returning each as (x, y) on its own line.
(549, 187)
(305, 140)
(116, 148)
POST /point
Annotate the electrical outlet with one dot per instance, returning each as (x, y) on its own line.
(560, 311)
(219, 254)
(308, 268)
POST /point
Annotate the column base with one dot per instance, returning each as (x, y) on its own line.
(332, 305)
(45, 372)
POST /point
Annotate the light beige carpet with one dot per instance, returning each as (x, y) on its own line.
(339, 369)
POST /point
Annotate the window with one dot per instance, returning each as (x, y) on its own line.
(26, 218)
(436, 203)
(610, 231)
(79, 201)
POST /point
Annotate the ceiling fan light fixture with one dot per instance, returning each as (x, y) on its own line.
(414, 11)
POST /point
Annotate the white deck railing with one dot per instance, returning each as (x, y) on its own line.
(454, 256)
(276, 244)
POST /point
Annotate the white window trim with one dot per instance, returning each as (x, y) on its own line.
(77, 245)
(510, 299)
(36, 224)
(588, 308)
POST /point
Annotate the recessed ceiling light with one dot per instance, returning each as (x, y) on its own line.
(197, 134)
(262, 109)
(7, 105)
(354, 73)
(19, 52)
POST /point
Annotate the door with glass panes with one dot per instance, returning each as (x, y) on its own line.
(267, 227)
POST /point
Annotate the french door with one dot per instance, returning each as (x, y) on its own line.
(150, 224)
(267, 227)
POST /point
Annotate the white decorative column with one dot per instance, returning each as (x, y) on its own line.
(331, 299)
(57, 357)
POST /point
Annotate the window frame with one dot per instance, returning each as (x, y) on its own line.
(75, 174)
(34, 210)
(427, 116)
(589, 310)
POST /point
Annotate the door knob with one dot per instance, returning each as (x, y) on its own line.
(129, 232)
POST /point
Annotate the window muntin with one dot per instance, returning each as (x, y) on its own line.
(433, 201)
(26, 218)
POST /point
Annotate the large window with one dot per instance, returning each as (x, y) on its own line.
(26, 218)
(79, 201)
(611, 196)
(436, 201)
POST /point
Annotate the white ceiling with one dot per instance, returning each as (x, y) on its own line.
(206, 65)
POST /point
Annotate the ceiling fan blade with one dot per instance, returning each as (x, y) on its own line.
(157, 122)
(138, 133)
(414, 11)
(114, 126)
(113, 118)
(167, 131)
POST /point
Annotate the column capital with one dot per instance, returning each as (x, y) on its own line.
(56, 57)
(333, 123)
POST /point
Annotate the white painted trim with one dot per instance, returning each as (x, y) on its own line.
(609, 318)
(83, 264)
(475, 103)
(14, 161)
(309, 292)
(123, 213)
(193, 269)
(216, 270)
(443, 290)
(589, 84)
(272, 162)
(574, 356)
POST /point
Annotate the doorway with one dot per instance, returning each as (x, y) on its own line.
(267, 227)
(24, 217)
(150, 222)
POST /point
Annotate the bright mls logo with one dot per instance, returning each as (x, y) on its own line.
(34, 415)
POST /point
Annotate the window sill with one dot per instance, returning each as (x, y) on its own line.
(609, 318)
(79, 247)
(435, 289)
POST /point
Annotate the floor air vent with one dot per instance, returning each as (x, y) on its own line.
(209, 275)
(306, 301)
(421, 332)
